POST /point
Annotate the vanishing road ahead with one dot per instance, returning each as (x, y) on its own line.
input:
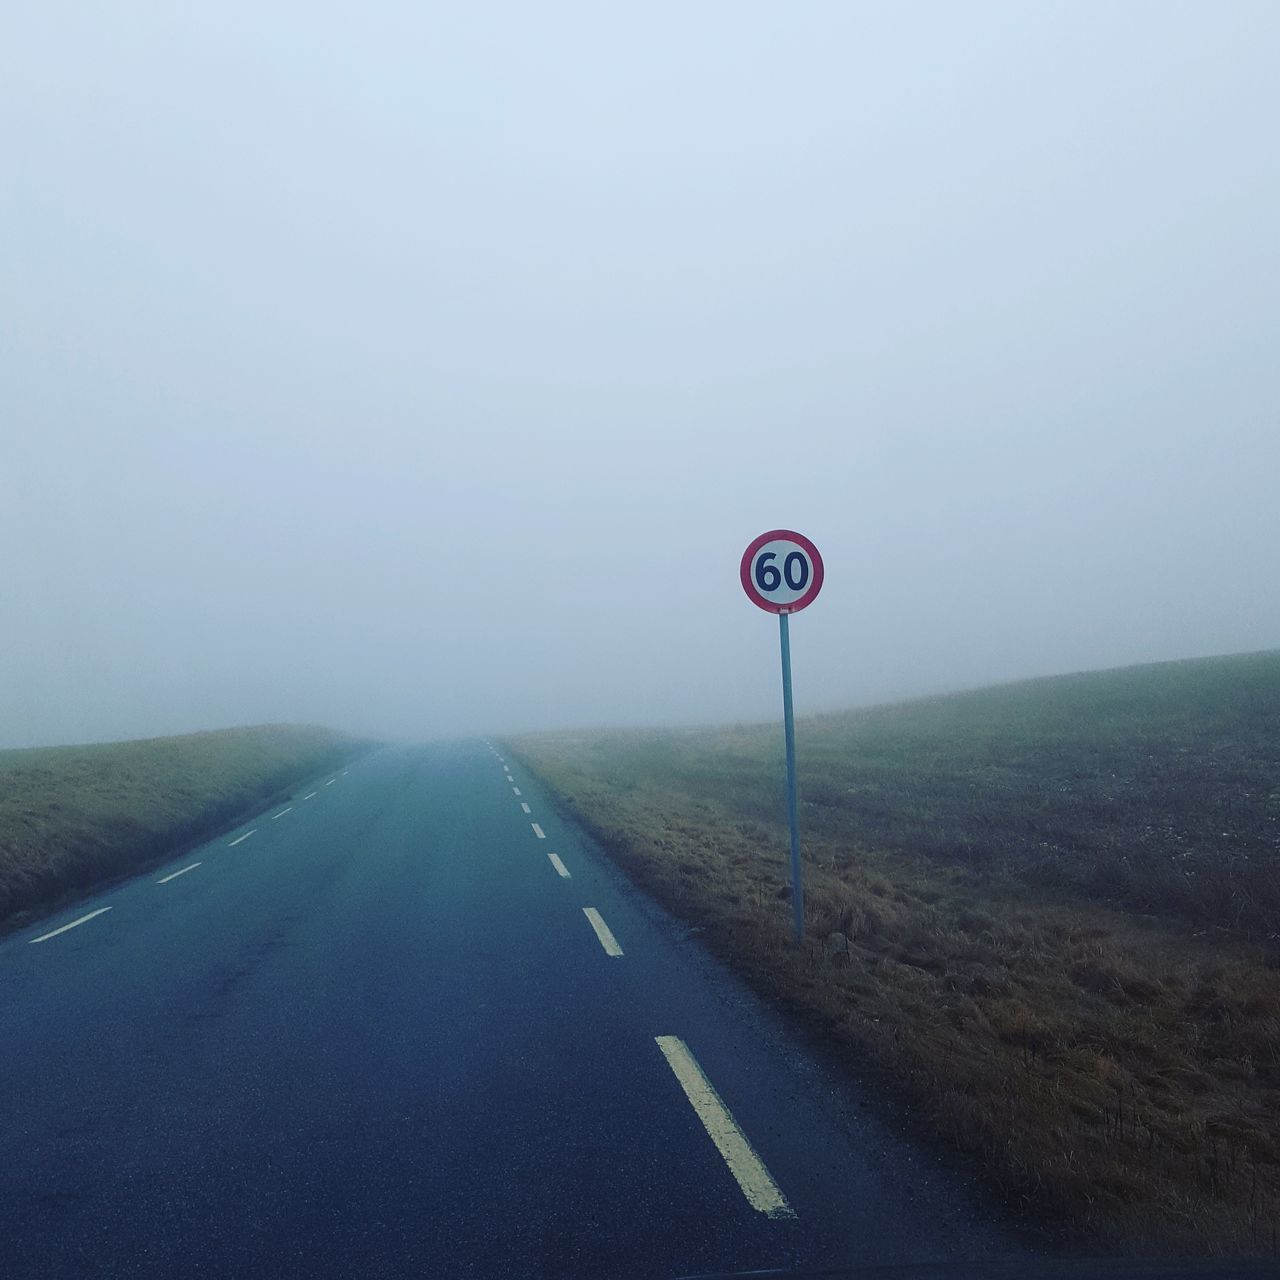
(410, 1023)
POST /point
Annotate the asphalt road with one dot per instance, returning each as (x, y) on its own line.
(382, 1036)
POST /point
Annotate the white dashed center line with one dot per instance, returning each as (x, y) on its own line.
(239, 839)
(603, 932)
(525, 807)
(757, 1185)
(516, 790)
(559, 866)
(281, 814)
(176, 874)
(53, 933)
(538, 831)
(330, 782)
(312, 796)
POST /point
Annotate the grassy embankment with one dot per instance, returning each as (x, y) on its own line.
(1047, 914)
(75, 817)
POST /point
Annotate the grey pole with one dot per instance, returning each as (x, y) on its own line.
(788, 718)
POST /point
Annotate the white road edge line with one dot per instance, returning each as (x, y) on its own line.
(538, 831)
(240, 839)
(176, 874)
(603, 932)
(281, 814)
(559, 866)
(44, 937)
(525, 807)
(763, 1194)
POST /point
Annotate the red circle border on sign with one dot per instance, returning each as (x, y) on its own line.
(810, 550)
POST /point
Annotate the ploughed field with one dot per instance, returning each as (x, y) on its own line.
(1046, 914)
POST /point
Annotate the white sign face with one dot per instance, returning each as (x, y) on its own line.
(781, 571)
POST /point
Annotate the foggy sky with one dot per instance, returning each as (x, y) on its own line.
(424, 369)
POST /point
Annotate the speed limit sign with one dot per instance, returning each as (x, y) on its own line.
(781, 571)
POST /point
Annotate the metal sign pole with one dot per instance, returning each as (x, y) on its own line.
(788, 717)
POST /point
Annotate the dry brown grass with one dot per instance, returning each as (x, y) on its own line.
(1116, 1071)
(73, 817)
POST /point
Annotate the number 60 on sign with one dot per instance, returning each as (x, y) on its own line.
(782, 571)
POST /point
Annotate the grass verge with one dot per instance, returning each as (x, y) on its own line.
(1046, 913)
(72, 818)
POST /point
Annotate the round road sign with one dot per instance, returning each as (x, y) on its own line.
(781, 571)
